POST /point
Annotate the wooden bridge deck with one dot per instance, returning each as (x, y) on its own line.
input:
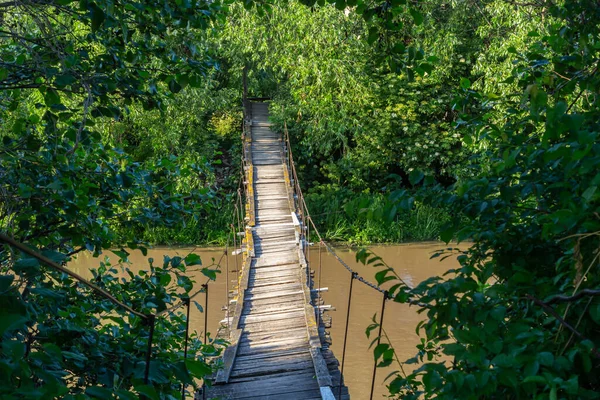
(277, 349)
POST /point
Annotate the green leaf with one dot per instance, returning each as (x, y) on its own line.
(99, 392)
(210, 273)
(371, 327)
(454, 349)
(531, 368)
(379, 350)
(595, 312)
(97, 16)
(589, 193)
(536, 379)
(381, 277)
(55, 256)
(373, 35)
(415, 177)
(9, 322)
(428, 68)
(126, 395)
(165, 279)
(465, 83)
(546, 358)
(5, 282)
(174, 86)
(51, 97)
(64, 80)
(148, 391)
(197, 368)
(417, 16)
(192, 259)
(181, 372)
(122, 254)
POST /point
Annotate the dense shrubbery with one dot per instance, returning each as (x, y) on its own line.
(520, 318)
(473, 120)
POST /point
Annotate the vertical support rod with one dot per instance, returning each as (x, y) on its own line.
(205, 286)
(236, 249)
(187, 333)
(319, 284)
(354, 274)
(385, 297)
(236, 218)
(308, 239)
(152, 322)
(227, 304)
(239, 210)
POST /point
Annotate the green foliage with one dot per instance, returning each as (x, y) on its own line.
(518, 318)
(474, 120)
(365, 219)
(51, 193)
(75, 79)
(60, 340)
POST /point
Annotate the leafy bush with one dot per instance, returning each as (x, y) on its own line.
(520, 317)
(60, 339)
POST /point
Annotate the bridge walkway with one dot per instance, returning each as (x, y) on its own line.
(276, 349)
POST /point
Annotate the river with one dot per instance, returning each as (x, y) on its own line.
(411, 261)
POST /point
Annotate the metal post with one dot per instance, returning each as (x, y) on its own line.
(185, 348)
(239, 215)
(385, 297)
(308, 239)
(236, 249)
(152, 322)
(354, 275)
(227, 284)
(319, 292)
(205, 286)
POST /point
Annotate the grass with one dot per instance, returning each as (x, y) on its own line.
(342, 217)
(361, 221)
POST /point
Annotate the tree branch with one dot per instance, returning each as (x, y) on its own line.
(564, 323)
(563, 299)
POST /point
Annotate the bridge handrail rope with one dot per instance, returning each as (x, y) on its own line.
(149, 318)
(304, 211)
(306, 219)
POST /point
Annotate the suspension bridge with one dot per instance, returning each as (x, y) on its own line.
(275, 323)
(276, 329)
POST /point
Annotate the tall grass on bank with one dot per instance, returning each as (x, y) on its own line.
(360, 219)
(341, 217)
(209, 228)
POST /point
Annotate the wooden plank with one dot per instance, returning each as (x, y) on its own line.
(229, 357)
(263, 368)
(321, 370)
(281, 386)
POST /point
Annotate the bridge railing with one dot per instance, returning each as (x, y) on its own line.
(308, 224)
(149, 318)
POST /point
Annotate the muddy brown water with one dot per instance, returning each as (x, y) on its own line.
(411, 261)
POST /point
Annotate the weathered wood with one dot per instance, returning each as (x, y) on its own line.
(229, 357)
(276, 349)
